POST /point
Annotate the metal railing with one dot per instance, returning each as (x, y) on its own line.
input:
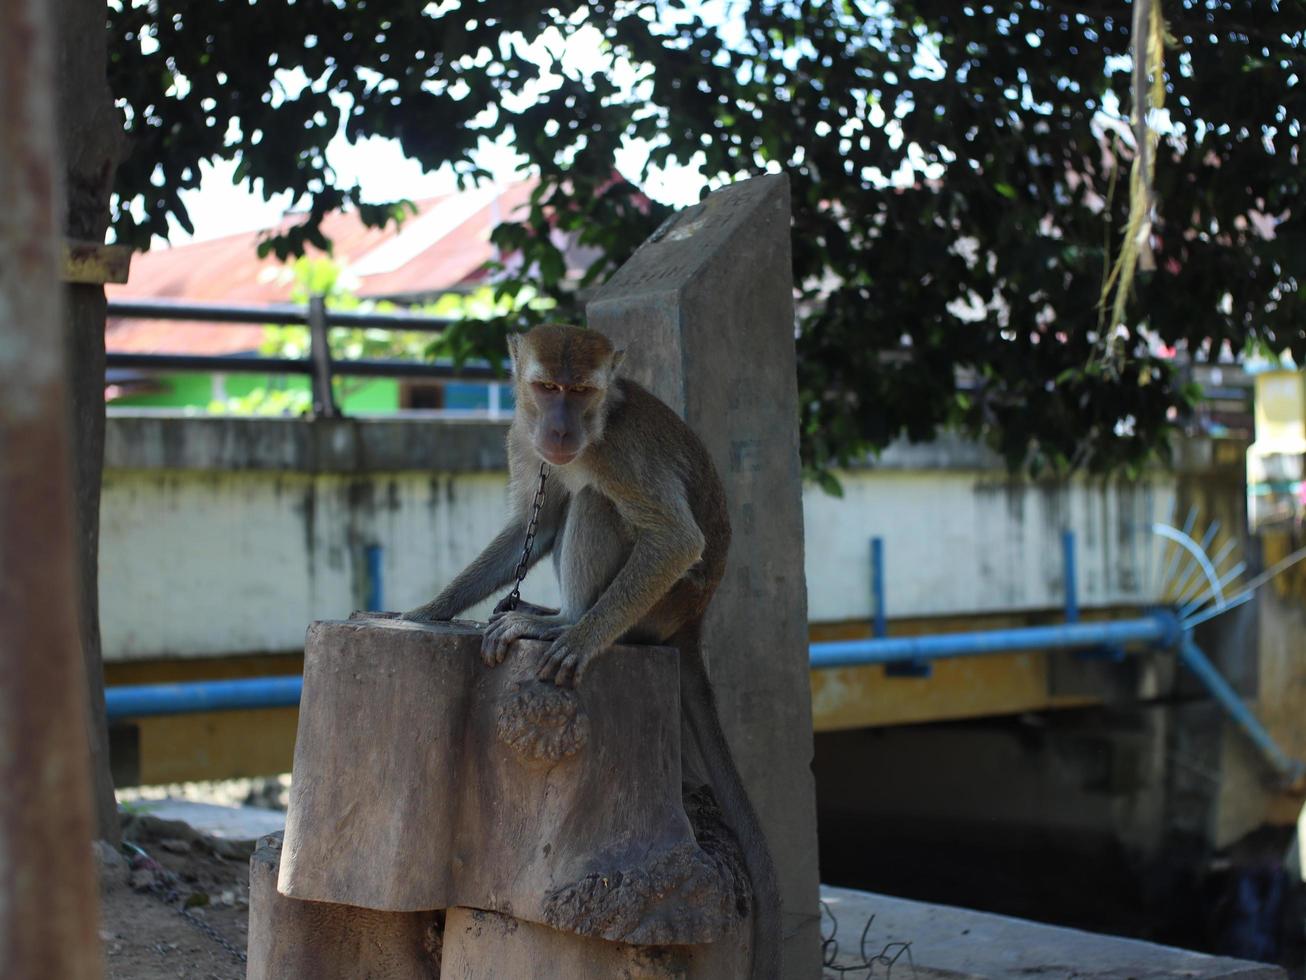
(320, 367)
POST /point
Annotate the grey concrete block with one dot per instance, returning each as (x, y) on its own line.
(705, 311)
(960, 942)
(346, 446)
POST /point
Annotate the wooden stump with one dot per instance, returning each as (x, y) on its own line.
(292, 940)
(489, 946)
(424, 780)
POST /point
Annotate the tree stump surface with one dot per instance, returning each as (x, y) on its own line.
(425, 780)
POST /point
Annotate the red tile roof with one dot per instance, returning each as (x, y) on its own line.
(444, 245)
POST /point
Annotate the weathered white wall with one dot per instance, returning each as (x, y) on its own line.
(231, 538)
(972, 541)
(196, 564)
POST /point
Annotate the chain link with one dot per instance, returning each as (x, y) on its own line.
(164, 888)
(510, 603)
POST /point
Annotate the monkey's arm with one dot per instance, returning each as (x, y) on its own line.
(668, 542)
(494, 567)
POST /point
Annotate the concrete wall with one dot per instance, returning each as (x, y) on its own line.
(224, 536)
(975, 541)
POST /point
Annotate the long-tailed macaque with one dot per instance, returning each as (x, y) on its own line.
(635, 515)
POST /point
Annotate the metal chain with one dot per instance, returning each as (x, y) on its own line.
(164, 888)
(510, 603)
(888, 956)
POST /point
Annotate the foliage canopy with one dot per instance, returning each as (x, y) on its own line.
(952, 168)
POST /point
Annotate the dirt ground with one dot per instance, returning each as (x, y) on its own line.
(144, 934)
(167, 867)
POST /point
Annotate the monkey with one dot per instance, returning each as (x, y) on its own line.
(635, 516)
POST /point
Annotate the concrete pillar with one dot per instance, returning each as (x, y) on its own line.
(705, 312)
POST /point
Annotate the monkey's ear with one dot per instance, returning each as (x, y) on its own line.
(617, 357)
(514, 342)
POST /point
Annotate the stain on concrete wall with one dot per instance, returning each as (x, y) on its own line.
(204, 564)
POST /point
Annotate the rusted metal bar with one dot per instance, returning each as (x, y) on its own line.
(319, 355)
(47, 888)
(477, 371)
(280, 313)
(227, 364)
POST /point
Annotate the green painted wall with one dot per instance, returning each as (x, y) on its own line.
(195, 390)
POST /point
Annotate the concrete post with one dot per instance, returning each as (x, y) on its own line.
(47, 885)
(705, 310)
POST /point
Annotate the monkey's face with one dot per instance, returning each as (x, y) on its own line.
(565, 417)
(563, 375)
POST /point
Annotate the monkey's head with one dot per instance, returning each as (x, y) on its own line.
(563, 379)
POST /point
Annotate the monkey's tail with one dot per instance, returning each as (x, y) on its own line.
(703, 725)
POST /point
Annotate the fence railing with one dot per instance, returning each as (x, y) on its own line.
(319, 366)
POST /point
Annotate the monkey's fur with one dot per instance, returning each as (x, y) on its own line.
(635, 515)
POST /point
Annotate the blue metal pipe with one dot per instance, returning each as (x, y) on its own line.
(1195, 660)
(132, 701)
(375, 599)
(879, 624)
(276, 692)
(1070, 573)
(1160, 628)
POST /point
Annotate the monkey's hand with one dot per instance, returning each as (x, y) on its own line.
(522, 607)
(429, 613)
(516, 625)
(566, 661)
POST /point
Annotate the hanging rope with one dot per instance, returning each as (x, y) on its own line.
(1148, 49)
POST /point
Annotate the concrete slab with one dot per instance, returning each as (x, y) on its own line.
(293, 445)
(955, 942)
(233, 822)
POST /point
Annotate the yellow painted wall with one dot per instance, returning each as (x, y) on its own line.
(1280, 409)
(966, 687)
(216, 745)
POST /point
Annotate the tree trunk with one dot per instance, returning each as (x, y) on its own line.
(91, 136)
(47, 885)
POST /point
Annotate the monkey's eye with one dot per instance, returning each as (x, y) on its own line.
(581, 389)
(548, 385)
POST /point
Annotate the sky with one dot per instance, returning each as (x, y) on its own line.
(220, 207)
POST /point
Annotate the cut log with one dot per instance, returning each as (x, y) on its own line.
(483, 945)
(424, 780)
(292, 940)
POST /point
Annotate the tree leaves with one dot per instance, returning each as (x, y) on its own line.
(950, 166)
